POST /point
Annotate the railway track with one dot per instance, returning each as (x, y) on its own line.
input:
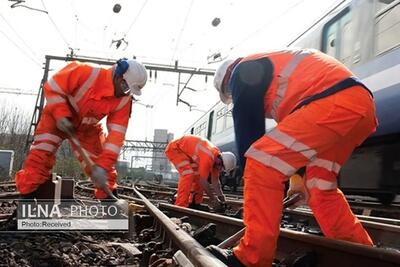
(364, 208)
(384, 232)
(314, 248)
(167, 235)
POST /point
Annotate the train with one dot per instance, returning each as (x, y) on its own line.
(365, 36)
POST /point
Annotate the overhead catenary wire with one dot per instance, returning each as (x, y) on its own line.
(181, 31)
(21, 39)
(265, 25)
(329, 11)
(76, 21)
(17, 91)
(55, 26)
(135, 19)
(22, 50)
(18, 4)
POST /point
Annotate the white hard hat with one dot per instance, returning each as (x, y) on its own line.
(135, 76)
(219, 78)
(229, 160)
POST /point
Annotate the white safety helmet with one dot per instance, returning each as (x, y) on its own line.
(135, 76)
(219, 78)
(229, 160)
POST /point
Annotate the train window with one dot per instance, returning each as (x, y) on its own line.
(331, 37)
(201, 130)
(387, 31)
(337, 39)
(220, 121)
(229, 118)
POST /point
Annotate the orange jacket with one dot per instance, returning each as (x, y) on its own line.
(85, 94)
(199, 151)
(298, 74)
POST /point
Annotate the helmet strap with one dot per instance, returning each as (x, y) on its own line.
(228, 73)
(219, 162)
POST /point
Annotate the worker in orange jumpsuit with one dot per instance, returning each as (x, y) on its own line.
(77, 98)
(196, 159)
(322, 112)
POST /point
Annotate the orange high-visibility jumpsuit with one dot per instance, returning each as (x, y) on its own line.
(320, 135)
(193, 157)
(85, 95)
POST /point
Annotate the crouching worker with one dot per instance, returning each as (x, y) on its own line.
(196, 159)
(323, 113)
(77, 98)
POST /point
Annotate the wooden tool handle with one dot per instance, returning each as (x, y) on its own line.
(90, 164)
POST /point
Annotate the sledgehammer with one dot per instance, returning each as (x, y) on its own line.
(232, 240)
(89, 162)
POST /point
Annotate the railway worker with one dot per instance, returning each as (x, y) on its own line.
(196, 159)
(77, 98)
(322, 112)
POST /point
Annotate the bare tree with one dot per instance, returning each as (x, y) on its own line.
(14, 126)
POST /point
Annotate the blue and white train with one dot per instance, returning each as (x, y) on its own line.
(365, 36)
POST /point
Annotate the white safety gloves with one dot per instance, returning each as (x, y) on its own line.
(65, 125)
(296, 185)
(99, 176)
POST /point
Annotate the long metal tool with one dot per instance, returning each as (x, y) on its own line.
(232, 240)
(89, 162)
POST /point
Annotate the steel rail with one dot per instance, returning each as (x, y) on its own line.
(329, 252)
(9, 195)
(195, 252)
(384, 232)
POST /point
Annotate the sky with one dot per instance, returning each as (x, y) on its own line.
(156, 31)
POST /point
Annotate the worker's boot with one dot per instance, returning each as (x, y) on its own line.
(226, 256)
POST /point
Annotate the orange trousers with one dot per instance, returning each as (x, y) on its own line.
(189, 188)
(320, 136)
(41, 157)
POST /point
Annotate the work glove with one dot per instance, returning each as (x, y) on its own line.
(296, 185)
(99, 177)
(65, 125)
